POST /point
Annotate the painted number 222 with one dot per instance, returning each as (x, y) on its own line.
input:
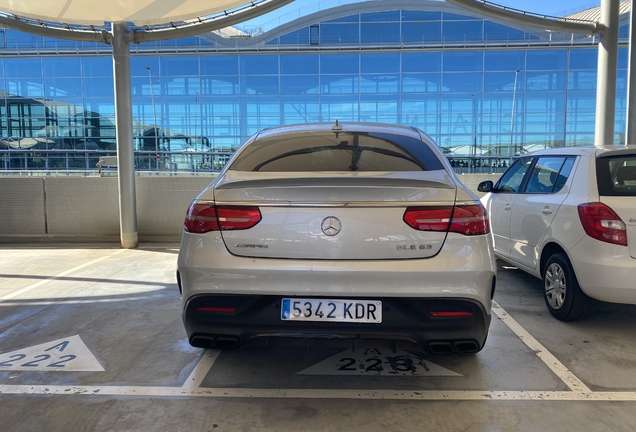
(37, 361)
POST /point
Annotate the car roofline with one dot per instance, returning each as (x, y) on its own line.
(575, 151)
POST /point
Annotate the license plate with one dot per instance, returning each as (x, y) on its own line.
(327, 310)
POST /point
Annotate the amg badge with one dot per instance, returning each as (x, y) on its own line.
(251, 246)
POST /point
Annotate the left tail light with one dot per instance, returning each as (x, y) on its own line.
(602, 223)
(202, 218)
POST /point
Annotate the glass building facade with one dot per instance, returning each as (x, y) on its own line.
(436, 67)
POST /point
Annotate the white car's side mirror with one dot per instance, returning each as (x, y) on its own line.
(486, 186)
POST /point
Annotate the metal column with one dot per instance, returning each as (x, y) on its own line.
(630, 121)
(124, 125)
(606, 81)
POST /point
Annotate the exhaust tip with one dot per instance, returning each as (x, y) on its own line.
(466, 346)
(450, 347)
(441, 347)
(225, 342)
(202, 341)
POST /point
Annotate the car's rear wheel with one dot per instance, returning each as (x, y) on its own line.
(563, 295)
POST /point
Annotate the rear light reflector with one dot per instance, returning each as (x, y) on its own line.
(213, 309)
(464, 219)
(202, 218)
(451, 314)
(601, 223)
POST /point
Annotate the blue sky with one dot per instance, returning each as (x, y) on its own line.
(304, 7)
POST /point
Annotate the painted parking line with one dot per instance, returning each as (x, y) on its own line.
(546, 357)
(201, 369)
(57, 276)
(428, 395)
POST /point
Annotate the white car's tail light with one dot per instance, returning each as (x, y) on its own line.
(202, 218)
(464, 219)
(602, 223)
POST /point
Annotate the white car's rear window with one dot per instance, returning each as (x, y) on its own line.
(342, 151)
(616, 175)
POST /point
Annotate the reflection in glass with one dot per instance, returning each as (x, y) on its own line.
(339, 63)
(299, 84)
(380, 32)
(339, 84)
(421, 83)
(462, 82)
(339, 33)
(379, 83)
(421, 31)
(179, 65)
(294, 64)
(463, 30)
(97, 66)
(463, 61)
(547, 60)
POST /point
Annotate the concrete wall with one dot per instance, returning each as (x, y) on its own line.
(22, 208)
(87, 208)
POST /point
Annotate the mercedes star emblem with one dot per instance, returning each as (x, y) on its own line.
(331, 226)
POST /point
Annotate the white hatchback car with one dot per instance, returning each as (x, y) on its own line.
(568, 216)
(337, 231)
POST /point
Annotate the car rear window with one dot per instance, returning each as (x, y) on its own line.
(341, 151)
(616, 175)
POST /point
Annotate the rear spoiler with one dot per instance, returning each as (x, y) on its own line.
(442, 182)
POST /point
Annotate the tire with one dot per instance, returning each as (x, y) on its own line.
(562, 294)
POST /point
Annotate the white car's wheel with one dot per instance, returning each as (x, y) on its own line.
(563, 295)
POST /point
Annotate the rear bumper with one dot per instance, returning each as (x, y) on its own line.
(403, 318)
(604, 271)
(465, 268)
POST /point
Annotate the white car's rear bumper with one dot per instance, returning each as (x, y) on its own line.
(605, 272)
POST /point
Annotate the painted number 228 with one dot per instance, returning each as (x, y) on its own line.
(37, 361)
(400, 364)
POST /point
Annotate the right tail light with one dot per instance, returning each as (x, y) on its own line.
(463, 219)
(601, 223)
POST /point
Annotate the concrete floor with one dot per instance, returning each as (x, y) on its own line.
(91, 339)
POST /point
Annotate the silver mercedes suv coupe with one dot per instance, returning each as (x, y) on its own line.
(355, 230)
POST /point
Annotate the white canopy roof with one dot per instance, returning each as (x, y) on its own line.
(96, 12)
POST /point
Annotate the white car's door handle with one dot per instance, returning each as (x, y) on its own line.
(507, 207)
(547, 210)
